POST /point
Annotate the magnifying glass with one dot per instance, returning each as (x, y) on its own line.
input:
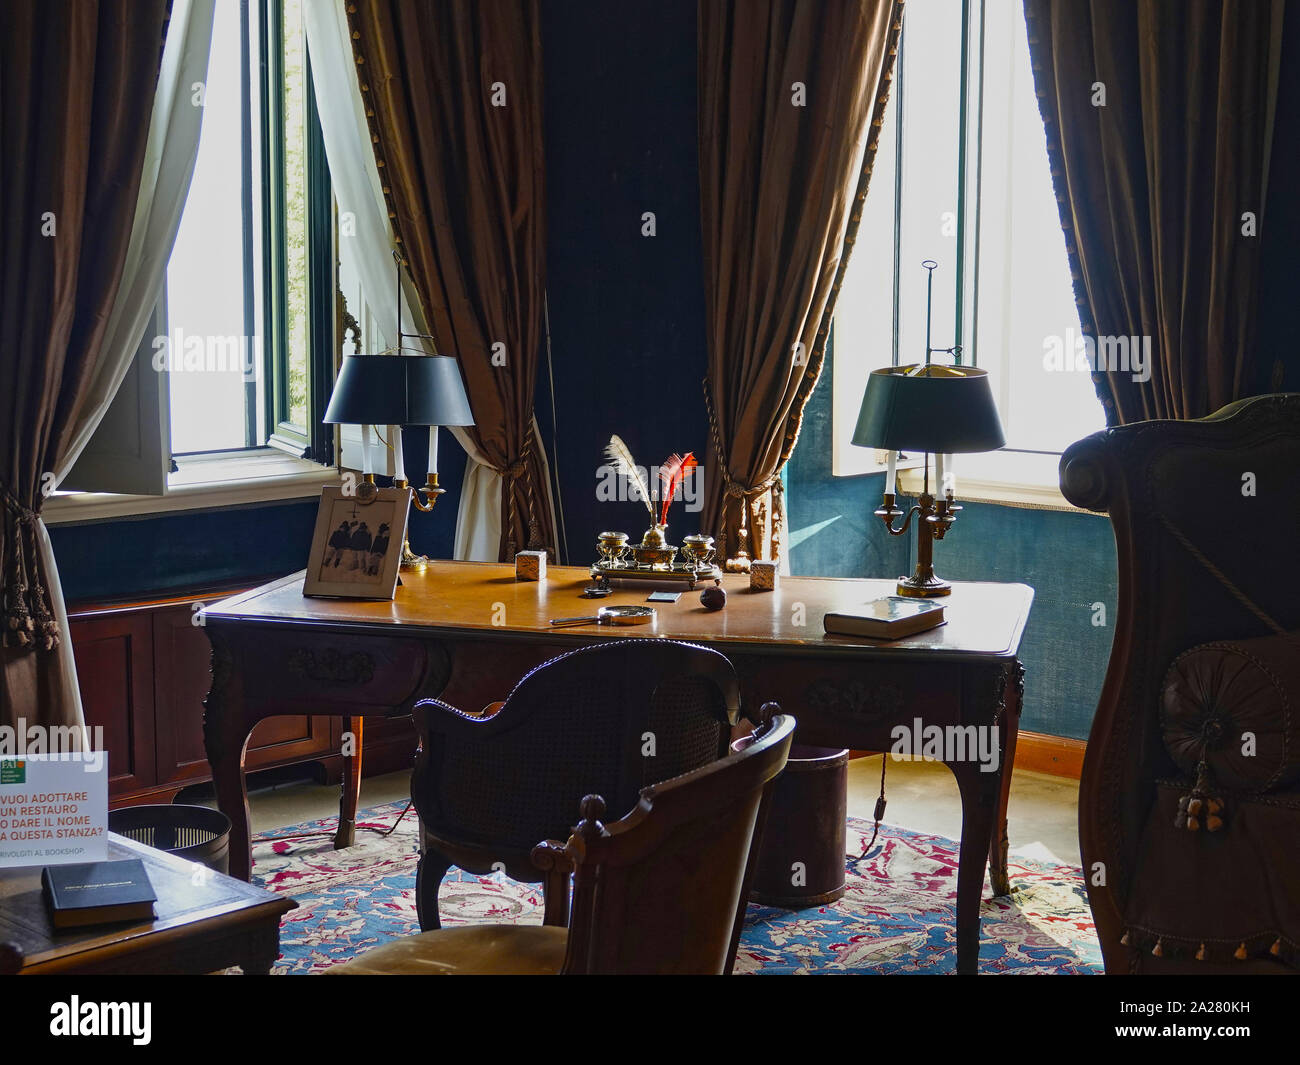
(611, 615)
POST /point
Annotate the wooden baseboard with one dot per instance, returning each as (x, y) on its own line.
(1038, 752)
(1060, 756)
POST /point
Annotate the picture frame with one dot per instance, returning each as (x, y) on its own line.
(356, 548)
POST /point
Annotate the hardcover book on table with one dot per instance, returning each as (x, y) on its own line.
(890, 617)
(91, 893)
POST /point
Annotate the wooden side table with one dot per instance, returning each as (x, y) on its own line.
(204, 923)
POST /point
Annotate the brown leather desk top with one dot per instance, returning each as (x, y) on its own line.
(468, 598)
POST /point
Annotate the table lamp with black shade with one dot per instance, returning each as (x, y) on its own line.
(397, 390)
(932, 409)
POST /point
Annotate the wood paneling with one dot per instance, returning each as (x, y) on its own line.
(115, 673)
(144, 671)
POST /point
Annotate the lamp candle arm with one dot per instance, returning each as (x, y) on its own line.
(935, 517)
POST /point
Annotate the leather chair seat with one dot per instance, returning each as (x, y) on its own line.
(486, 950)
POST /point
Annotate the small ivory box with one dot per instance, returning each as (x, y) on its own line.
(530, 566)
(762, 576)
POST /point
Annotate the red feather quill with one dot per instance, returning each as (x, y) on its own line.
(671, 475)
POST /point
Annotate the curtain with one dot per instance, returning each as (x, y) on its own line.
(359, 192)
(76, 84)
(452, 90)
(791, 100)
(1158, 119)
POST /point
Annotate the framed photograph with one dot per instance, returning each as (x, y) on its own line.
(356, 549)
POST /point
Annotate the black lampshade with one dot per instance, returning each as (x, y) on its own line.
(399, 390)
(945, 409)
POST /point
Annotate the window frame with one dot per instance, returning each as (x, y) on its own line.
(1020, 478)
(251, 473)
(309, 441)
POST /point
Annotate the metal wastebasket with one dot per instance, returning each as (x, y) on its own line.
(195, 833)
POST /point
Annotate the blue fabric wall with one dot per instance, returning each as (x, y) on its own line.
(1068, 558)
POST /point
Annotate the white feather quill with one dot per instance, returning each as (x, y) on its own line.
(618, 456)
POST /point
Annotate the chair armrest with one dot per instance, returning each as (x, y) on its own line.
(763, 719)
(551, 856)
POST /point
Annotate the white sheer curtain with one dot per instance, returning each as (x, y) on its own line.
(168, 166)
(359, 193)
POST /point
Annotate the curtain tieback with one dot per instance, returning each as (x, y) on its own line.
(21, 511)
(26, 617)
(739, 491)
(513, 472)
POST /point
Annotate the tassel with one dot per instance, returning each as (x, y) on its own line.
(1157, 951)
(1276, 948)
(1240, 953)
(1200, 954)
(1123, 940)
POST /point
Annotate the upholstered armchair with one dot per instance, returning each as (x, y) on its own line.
(1189, 803)
(605, 720)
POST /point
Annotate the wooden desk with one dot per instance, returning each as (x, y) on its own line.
(468, 631)
(199, 927)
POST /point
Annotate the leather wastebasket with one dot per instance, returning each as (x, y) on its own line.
(802, 853)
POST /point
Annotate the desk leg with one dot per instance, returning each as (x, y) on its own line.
(998, 845)
(226, 741)
(226, 729)
(984, 799)
(350, 792)
(978, 811)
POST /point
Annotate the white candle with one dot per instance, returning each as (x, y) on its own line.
(891, 472)
(365, 450)
(433, 449)
(938, 473)
(952, 477)
(399, 464)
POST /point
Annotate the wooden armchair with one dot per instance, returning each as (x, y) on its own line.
(605, 720)
(661, 891)
(1189, 803)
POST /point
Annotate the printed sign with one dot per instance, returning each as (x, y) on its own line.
(53, 809)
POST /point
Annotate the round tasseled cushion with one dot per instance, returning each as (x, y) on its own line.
(1234, 701)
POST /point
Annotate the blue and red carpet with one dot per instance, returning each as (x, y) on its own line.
(896, 917)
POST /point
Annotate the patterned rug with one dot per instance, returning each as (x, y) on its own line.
(896, 917)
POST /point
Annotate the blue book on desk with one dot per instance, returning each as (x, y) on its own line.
(890, 617)
(90, 893)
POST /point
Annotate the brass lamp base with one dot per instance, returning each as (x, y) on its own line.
(919, 586)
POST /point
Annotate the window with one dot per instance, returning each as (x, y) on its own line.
(962, 177)
(224, 400)
(240, 277)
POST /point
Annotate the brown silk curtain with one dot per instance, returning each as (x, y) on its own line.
(1153, 186)
(77, 83)
(453, 91)
(788, 89)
